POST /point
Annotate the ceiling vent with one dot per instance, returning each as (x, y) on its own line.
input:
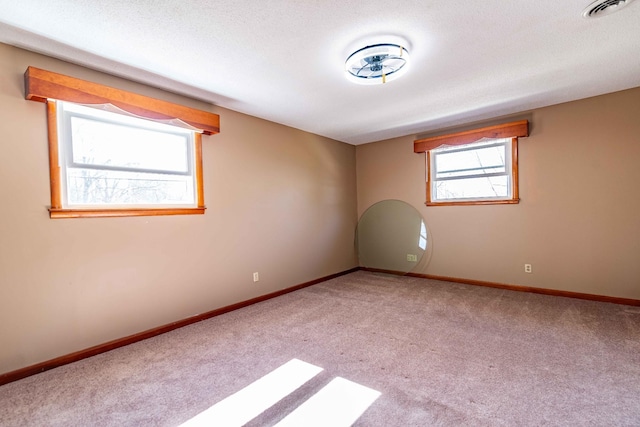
(604, 7)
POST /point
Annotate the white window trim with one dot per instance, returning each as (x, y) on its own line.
(508, 170)
(66, 111)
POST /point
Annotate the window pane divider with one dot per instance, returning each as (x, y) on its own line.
(91, 166)
(470, 169)
(482, 175)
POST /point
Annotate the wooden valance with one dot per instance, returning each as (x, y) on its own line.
(41, 85)
(506, 130)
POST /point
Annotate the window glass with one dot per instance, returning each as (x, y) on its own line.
(472, 188)
(112, 145)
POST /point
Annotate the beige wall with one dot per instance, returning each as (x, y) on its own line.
(578, 222)
(280, 201)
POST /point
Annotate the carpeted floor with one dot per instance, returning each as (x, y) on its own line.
(439, 353)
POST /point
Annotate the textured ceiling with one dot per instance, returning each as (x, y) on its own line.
(283, 60)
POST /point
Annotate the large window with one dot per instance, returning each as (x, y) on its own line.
(113, 160)
(117, 153)
(473, 167)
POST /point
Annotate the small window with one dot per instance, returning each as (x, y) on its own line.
(480, 171)
(474, 167)
(111, 160)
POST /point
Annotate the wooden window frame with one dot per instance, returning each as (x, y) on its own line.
(46, 86)
(512, 130)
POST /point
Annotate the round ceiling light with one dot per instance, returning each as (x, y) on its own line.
(379, 63)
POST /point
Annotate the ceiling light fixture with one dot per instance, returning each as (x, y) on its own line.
(378, 63)
(604, 7)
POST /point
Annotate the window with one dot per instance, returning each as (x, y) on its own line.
(119, 154)
(477, 171)
(114, 160)
(473, 167)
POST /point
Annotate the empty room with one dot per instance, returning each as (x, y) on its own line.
(222, 213)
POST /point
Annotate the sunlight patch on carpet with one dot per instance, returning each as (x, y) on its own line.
(339, 404)
(251, 401)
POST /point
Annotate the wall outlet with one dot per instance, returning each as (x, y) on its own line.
(527, 268)
(256, 276)
(412, 258)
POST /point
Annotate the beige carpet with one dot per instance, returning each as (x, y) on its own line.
(439, 353)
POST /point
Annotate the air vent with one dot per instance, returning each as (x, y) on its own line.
(604, 7)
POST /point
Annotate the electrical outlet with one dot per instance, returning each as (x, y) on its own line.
(412, 258)
(256, 276)
(527, 268)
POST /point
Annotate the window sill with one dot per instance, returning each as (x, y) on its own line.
(475, 202)
(101, 213)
